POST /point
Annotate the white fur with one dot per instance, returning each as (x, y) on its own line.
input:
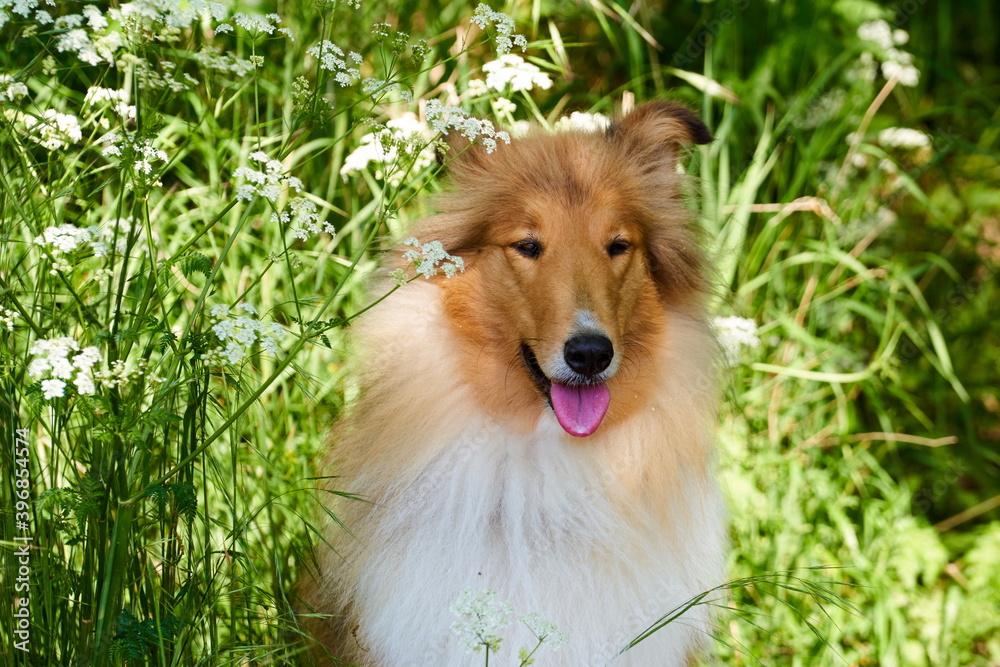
(537, 517)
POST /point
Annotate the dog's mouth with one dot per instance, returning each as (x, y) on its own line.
(580, 408)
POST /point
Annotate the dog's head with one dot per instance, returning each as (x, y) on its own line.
(575, 246)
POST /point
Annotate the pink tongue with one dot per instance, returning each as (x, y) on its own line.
(580, 408)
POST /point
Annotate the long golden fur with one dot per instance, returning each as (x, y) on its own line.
(573, 242)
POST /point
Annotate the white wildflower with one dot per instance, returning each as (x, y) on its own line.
(63, 360)
(901, 66)
(402, 146)
(114, 235)
(443, 118)
(304, 213)
(7, 318)
(10, 90)
(513, 71)
(96, 95)
(95, 19)
(53, 389)
(20, 7)
(398, 277)
(583, 122)
(520, 128)
(431, 258)
(504, 37)
(546, 631)
(265, 183)
(121, 374)
(69, 21)
(503, 106)
(212, 58)
(53, 130)
(238, 333)
(114, 98)
(481, 617)
(257, 24)
(895, 62)
(733, 334)
(877, 32)
(333, 59)
(141, 154)
(477, 88)
(65, 238)
(903, 137)
(163, 20)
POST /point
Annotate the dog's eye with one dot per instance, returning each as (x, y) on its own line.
(617, 247)
(528, 248)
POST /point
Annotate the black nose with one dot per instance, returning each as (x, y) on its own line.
(588, 354)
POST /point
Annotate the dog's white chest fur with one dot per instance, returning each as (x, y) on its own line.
(537, 519)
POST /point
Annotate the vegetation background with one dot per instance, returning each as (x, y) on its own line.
(159, 449)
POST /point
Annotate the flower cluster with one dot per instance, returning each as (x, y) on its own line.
(118, 100)
(265, 183)
(120, 375)
(86, 35)
(733, 334)
(257, 25)
(62, 241)
(482, 616)
(333, 59)
(211, 58)
(430, 258)
(903, 137)
(10, 90)
(546, 631)
(378, 88)
(145, 20)
(7, 318)
(140, 153)
(895, 61)
(52, 130)
(443, 118)
(513, 71)
(304, 213)
(239, 332)
(60, 360)
(580, 121)
(400, 146)
(505, 38)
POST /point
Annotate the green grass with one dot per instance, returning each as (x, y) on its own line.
(171, 519)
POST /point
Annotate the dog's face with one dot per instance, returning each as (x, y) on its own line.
(575, 244)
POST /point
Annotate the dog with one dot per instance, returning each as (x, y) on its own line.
(539, 424)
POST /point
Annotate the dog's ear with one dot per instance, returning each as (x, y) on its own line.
(658, 129)
(458, 152)
(651, 137)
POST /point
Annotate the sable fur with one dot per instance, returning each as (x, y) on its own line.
(471, 481)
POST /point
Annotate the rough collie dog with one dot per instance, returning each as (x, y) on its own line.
(539, 424)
